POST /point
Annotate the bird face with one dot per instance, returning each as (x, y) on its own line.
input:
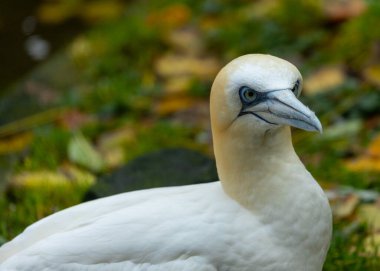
(262, 89)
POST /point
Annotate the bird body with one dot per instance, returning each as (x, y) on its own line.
(266, 213)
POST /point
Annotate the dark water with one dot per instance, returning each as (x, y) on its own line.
(25, 42)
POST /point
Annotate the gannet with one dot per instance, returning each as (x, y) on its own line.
(267, 213)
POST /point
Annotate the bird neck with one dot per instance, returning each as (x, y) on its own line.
(253, 169)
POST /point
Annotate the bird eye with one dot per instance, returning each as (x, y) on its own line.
(247, 95)
(295, 88)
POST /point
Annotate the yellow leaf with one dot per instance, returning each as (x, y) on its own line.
(102, 10)
(370, 161)
(179, 65)
(67, 175)
(372, 74)
(363, 164)
(177, 84)
(57, 12)
(372, 245)
(111, 145)
(374, 147)
(173, 104)
(186, 40)
(324, 80)
(210, 23)
(370, 214)
(172, 16)
(39, 179)
(15, 143)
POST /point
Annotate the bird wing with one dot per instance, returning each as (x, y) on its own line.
(153, 227)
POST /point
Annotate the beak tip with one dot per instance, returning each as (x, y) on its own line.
(317, 124)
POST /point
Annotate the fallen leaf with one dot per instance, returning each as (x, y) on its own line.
(38, 179)
(172, 16)
(345, 207)
(374, 147)
(74, 119)
(370, 214)
(76, 174)
(338, 10)
(111, 145)
(178, 84)
(83, 153)
(372, 245)
(187, 41)
(15, 143)
(210, 23)
(180, 65)
(259, 9)
(116, 138)
(101, 10)
(363, 163)
(372, 74)
(114, 157)
(324, 79)
(173, 104)
(370, 160)
(56, 12)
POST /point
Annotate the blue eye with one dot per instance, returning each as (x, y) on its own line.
(247, 95)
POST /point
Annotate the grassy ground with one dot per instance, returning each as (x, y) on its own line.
(142, 81)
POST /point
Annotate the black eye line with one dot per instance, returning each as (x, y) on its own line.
(296, 86)
(257, 116)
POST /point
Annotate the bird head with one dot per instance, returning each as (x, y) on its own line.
(257, 93)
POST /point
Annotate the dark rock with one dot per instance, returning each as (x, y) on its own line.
(167, 167)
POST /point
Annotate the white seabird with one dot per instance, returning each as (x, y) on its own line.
(266, 213)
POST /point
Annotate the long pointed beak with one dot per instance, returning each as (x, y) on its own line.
(283, 107)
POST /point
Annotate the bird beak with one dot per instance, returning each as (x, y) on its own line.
(283, 107)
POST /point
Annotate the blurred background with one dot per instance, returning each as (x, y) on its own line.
(96, 97)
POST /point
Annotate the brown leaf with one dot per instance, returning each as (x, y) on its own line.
(324, 79)
(74, 119)
(187, 41)
(345, 207)
(173, 104)
(338, 10)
